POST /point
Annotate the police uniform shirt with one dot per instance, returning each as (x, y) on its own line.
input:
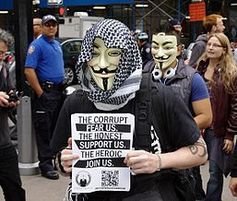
(46, 57)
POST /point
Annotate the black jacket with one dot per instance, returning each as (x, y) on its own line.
(5, 86)
(181, 82)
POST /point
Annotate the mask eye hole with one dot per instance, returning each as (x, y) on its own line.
(114, 53)
(167, 47)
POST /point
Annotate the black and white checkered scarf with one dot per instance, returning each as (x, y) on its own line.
(128, 75)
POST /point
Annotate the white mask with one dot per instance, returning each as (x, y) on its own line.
(103, 64)
(164, 50)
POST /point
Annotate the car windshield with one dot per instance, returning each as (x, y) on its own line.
(72, 47)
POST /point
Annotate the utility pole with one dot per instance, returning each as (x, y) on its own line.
(179, 10)
(23, 36)
(26, 139)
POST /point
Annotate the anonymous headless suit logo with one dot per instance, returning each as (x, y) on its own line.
(103, 64)
(83, 178)
(164, 52)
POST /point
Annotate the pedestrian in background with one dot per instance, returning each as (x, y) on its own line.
(174, 27)
(44, 70)
(10, 180)
(212, 24)
(218, 69)
(37, 27)
(144, 47)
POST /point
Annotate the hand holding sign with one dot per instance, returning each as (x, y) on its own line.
(67, 157)
(143, 162)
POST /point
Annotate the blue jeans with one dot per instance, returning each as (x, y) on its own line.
(215, 183)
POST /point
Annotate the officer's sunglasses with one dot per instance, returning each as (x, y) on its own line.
(49, 24)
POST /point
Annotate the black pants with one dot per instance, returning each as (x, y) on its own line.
(45, 113)
(151, 194)
(200, 193)
(144, 190)
(10, 180)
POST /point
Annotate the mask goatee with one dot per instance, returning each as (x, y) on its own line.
(105, 83)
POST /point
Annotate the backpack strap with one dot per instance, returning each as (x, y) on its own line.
(159, 117)
(145, 114)
(142, 138)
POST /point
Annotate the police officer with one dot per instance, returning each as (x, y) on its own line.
(44, 70)
(144, 47)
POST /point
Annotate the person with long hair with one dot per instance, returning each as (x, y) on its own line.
(218, 69)
(212, 24)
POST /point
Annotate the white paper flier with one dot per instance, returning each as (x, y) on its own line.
(101, 140)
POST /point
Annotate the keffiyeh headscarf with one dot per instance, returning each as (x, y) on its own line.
(128, 75)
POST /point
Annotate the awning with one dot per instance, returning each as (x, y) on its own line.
(44, 3)
(8, 4)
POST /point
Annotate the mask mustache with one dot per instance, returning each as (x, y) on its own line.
(162, 58)
(103, 70)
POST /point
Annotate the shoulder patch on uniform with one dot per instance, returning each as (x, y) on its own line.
(148, 50)
(31, 49)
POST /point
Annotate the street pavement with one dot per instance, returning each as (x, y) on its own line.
(41, 189)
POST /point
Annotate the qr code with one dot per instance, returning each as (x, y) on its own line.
(110, 178)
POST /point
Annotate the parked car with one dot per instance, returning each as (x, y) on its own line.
(71, 49)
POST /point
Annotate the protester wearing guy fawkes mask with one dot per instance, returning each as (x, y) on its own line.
(185, 81)
(164, 52)
(110, 74)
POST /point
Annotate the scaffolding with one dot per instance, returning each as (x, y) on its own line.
(155, 15)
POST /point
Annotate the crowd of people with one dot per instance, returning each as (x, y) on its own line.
(185, 111)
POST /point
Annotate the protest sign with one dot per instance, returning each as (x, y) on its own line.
(101, 140)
